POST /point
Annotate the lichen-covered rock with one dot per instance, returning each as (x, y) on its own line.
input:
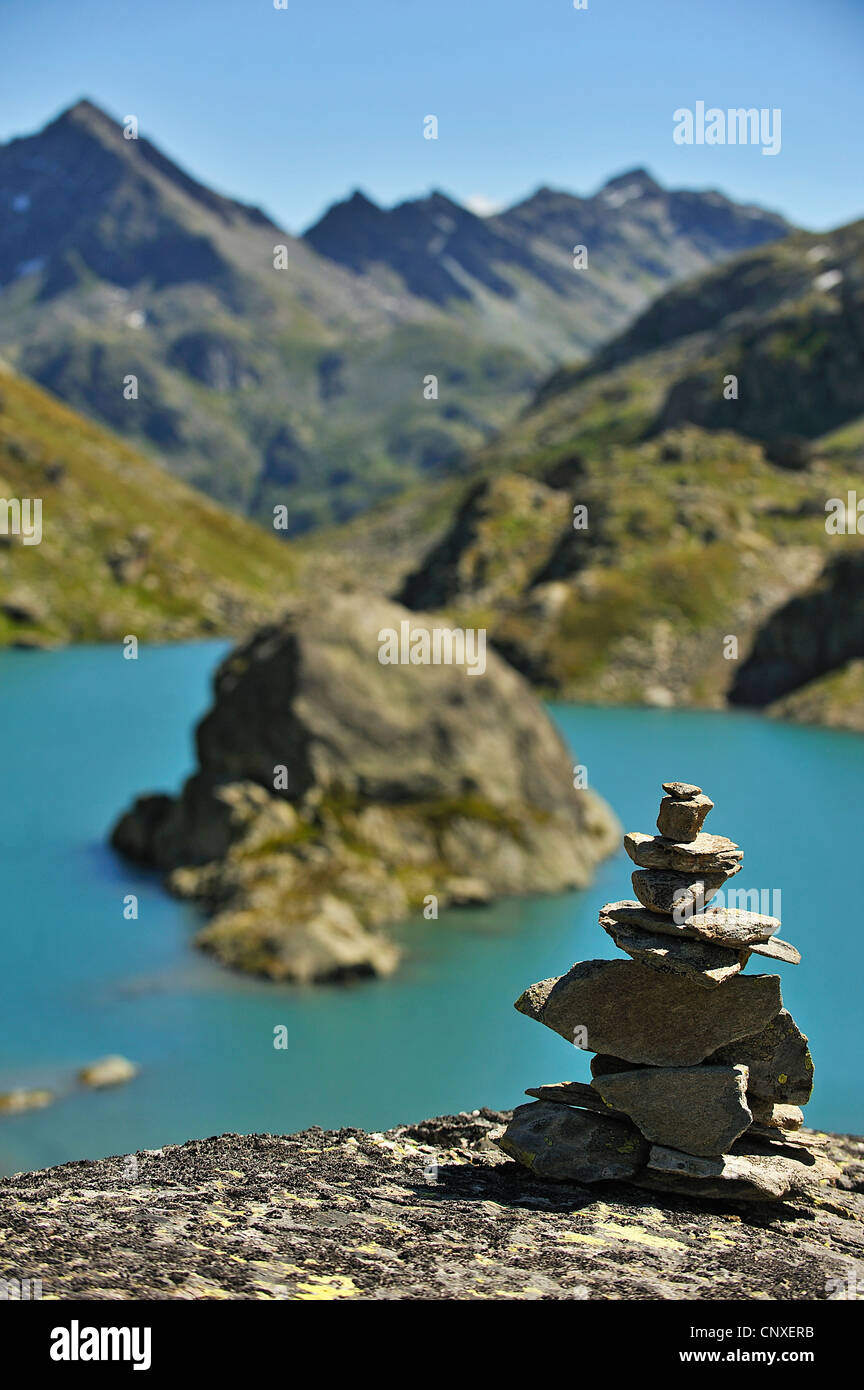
(429, 1211)
(556, 1141)
(335, 793)
(304, 940)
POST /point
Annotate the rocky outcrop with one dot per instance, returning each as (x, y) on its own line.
(425, 1211)
(816, 633)
(108, 1071)
(335, 793)
(836, 700)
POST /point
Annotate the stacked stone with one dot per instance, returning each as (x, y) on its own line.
(699, 1071)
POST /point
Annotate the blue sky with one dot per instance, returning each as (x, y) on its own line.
(292, 109)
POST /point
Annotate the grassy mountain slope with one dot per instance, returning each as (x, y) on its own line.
(126, 548)
(303, 386)
(696, 532)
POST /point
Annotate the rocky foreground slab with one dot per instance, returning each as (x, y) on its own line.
(427, 1211)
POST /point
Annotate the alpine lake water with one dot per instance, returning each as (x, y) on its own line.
(86, 730)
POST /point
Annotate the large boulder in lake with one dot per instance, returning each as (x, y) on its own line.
(336, 792)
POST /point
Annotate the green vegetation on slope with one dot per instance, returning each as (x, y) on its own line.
(698, 530)
(126, 548)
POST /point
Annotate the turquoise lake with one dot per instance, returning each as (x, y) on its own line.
(84, 731)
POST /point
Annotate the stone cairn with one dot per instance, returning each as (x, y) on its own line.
(699, 1071)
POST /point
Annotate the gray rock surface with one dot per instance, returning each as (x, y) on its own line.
(702, 962)
(572, 1093)
(334, 794)
(667, 891)
(752, 1173)
(701, 1110)
(778, 1060)
(633, 1011)
(428, 1211)
(705, 854)
(784, 1117)
(555, 1141)
(681, 819)
(724, 926)
(775, 949)
(604, 1065)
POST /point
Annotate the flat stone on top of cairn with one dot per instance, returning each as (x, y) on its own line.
(698, 1070)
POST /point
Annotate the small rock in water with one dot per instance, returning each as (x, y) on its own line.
(778, 1059)
(665, 891)
(555, 1141)
(108, 1071)
(14, 1102)
(681, 820)
(701, 1110)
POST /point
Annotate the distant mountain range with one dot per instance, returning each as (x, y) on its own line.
(304, 385)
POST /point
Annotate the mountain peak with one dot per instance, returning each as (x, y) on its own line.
(86, 115)
(632, 178)
(360, 200)
(83, 109)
